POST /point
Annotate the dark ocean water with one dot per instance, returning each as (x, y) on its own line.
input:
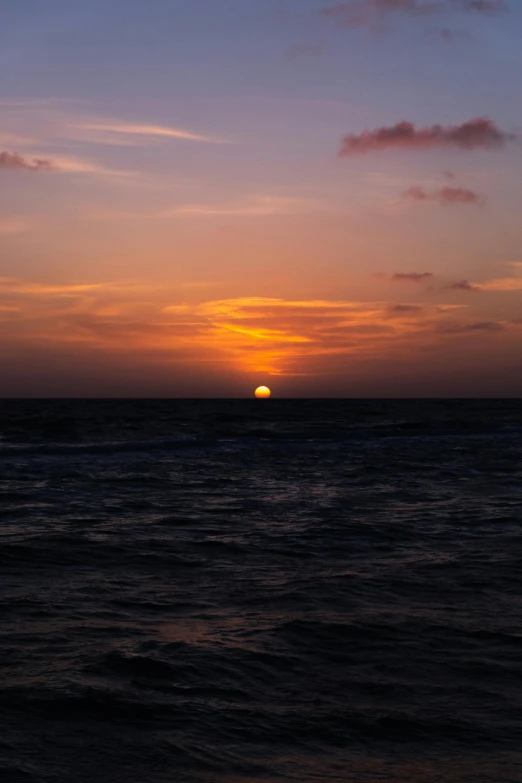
(261, 591)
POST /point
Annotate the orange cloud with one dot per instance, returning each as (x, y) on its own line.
(247, 335)
(511, 283)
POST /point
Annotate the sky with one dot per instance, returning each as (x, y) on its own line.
(202, 196)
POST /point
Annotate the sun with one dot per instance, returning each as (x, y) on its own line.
(263, 392)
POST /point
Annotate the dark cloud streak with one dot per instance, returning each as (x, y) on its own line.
(406, 277)
(488, 7)
(13, 161)
(480, 326)
(446, 196)
(462, 285)
(366, 13)
(369, 13)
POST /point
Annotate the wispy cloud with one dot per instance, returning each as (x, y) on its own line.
(116, 129)
(250, 334)
(53, 125)
(477, 326)
(478, 133)
(251, 207)
(286, 337)
(487, 7)
(445, 196)
(13, 161)
(371, 13)
(77, 165)
(367, 13)
(462, 285)
(512, 282)
(405, 277)
(9, 285)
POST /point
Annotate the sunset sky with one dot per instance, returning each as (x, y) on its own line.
(202, 196)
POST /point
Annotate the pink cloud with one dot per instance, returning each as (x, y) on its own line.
(445, 195)
(12, 160)
(478, 133)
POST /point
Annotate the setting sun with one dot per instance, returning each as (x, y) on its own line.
(263, 392)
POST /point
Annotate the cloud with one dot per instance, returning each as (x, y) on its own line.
(287, 337)
(32, 128)
(74, 165)
(371, 13)
(487, 7)
(13, 161)
(14, 286)
(258, 206)
(478, 133)
(144, 130)
(445, 195)
(479, 326)
(366, 13)
(462, 285)
(401, 308)
(276, 336)
(511, 283)
(406, 277)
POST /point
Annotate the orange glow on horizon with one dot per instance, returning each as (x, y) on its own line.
(248, 335)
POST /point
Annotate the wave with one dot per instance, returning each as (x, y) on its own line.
(303, 438)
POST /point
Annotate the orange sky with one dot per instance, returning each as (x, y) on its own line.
(293, 201)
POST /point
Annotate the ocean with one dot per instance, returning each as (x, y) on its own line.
(266, 590)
